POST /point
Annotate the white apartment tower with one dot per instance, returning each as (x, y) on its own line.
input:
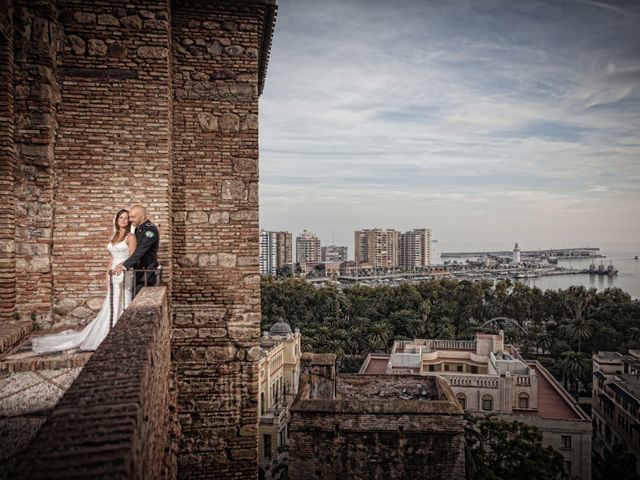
(268, 252)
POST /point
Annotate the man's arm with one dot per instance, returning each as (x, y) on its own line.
(141, 250)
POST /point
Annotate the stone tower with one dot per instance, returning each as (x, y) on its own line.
(105, 104)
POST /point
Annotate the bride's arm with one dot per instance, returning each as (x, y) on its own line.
(131, 243)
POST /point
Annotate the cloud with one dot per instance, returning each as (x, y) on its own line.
(381, 112)
(612, 84)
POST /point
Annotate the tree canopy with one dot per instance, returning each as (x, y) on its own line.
(500, 450)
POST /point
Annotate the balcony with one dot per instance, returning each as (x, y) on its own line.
(116, 415)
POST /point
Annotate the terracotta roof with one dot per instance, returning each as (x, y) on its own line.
(551, 404)
(377, 365)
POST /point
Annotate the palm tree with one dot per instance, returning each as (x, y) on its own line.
(374, 345)
(381, 331)
(578, 329)
(544, 343)
(575, 367)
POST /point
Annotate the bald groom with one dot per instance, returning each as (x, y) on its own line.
(145, 256)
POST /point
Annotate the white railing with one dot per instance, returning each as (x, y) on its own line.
(478, 381)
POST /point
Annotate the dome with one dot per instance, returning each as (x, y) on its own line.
(280, 328)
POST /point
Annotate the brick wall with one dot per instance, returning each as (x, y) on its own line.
(113, 139)
(216, 74)
(36, 96)
(7, 168)
(152, 102)
(113, 421)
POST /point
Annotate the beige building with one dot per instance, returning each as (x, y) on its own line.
(308, 248)
(488, 377)
(377, 247)
(334, 253)
(415, 249)
(284, 249)
(279, 368)
(615, 402)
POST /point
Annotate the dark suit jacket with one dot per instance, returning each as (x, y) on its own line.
(145, 256)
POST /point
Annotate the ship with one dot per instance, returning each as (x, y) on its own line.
(610, 270)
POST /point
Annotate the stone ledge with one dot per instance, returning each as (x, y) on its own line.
(12, 333)
(49, 362)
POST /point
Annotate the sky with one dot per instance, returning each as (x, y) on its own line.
(488, 121)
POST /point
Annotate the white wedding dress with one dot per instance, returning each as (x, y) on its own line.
(91, 336)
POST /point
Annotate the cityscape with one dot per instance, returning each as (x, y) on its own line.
(171, 306)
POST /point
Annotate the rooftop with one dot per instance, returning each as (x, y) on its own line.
(630, 382)
(375, 365)
(603, 357)
(385, 387)
(552, 402)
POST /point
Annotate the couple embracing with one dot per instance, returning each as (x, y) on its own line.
(128, 251)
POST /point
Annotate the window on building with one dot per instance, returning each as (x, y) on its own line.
(487, 403)
(523, 400)
(283, 437)
(566, 441)
(474, 369)
(267, 445)
(446, 367)
(567, 467)
(262, 406)
(432, 368)
(462, 400)
(460, 368)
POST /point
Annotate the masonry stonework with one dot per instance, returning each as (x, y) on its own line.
(107, 104)
(7, 168)
(373, 426)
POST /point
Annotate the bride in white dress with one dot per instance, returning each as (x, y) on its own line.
(121, 246)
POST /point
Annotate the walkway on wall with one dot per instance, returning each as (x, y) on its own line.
(30, 387)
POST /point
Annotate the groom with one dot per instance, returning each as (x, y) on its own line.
(145, 256)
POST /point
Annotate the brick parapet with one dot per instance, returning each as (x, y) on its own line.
(113, 421)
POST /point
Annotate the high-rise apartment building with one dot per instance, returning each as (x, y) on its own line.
(334, 253)
(415, 248)
(275, 251)
(308, 248)
(284, 241)
(268, 251)
(377, 247)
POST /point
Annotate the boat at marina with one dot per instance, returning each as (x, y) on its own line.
(610, 270)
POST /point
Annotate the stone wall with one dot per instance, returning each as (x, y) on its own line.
(114, 420)
(153, 102)
(216, 73)
(375, 427)
(36, 94)
(113, 139)
(7, 168)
